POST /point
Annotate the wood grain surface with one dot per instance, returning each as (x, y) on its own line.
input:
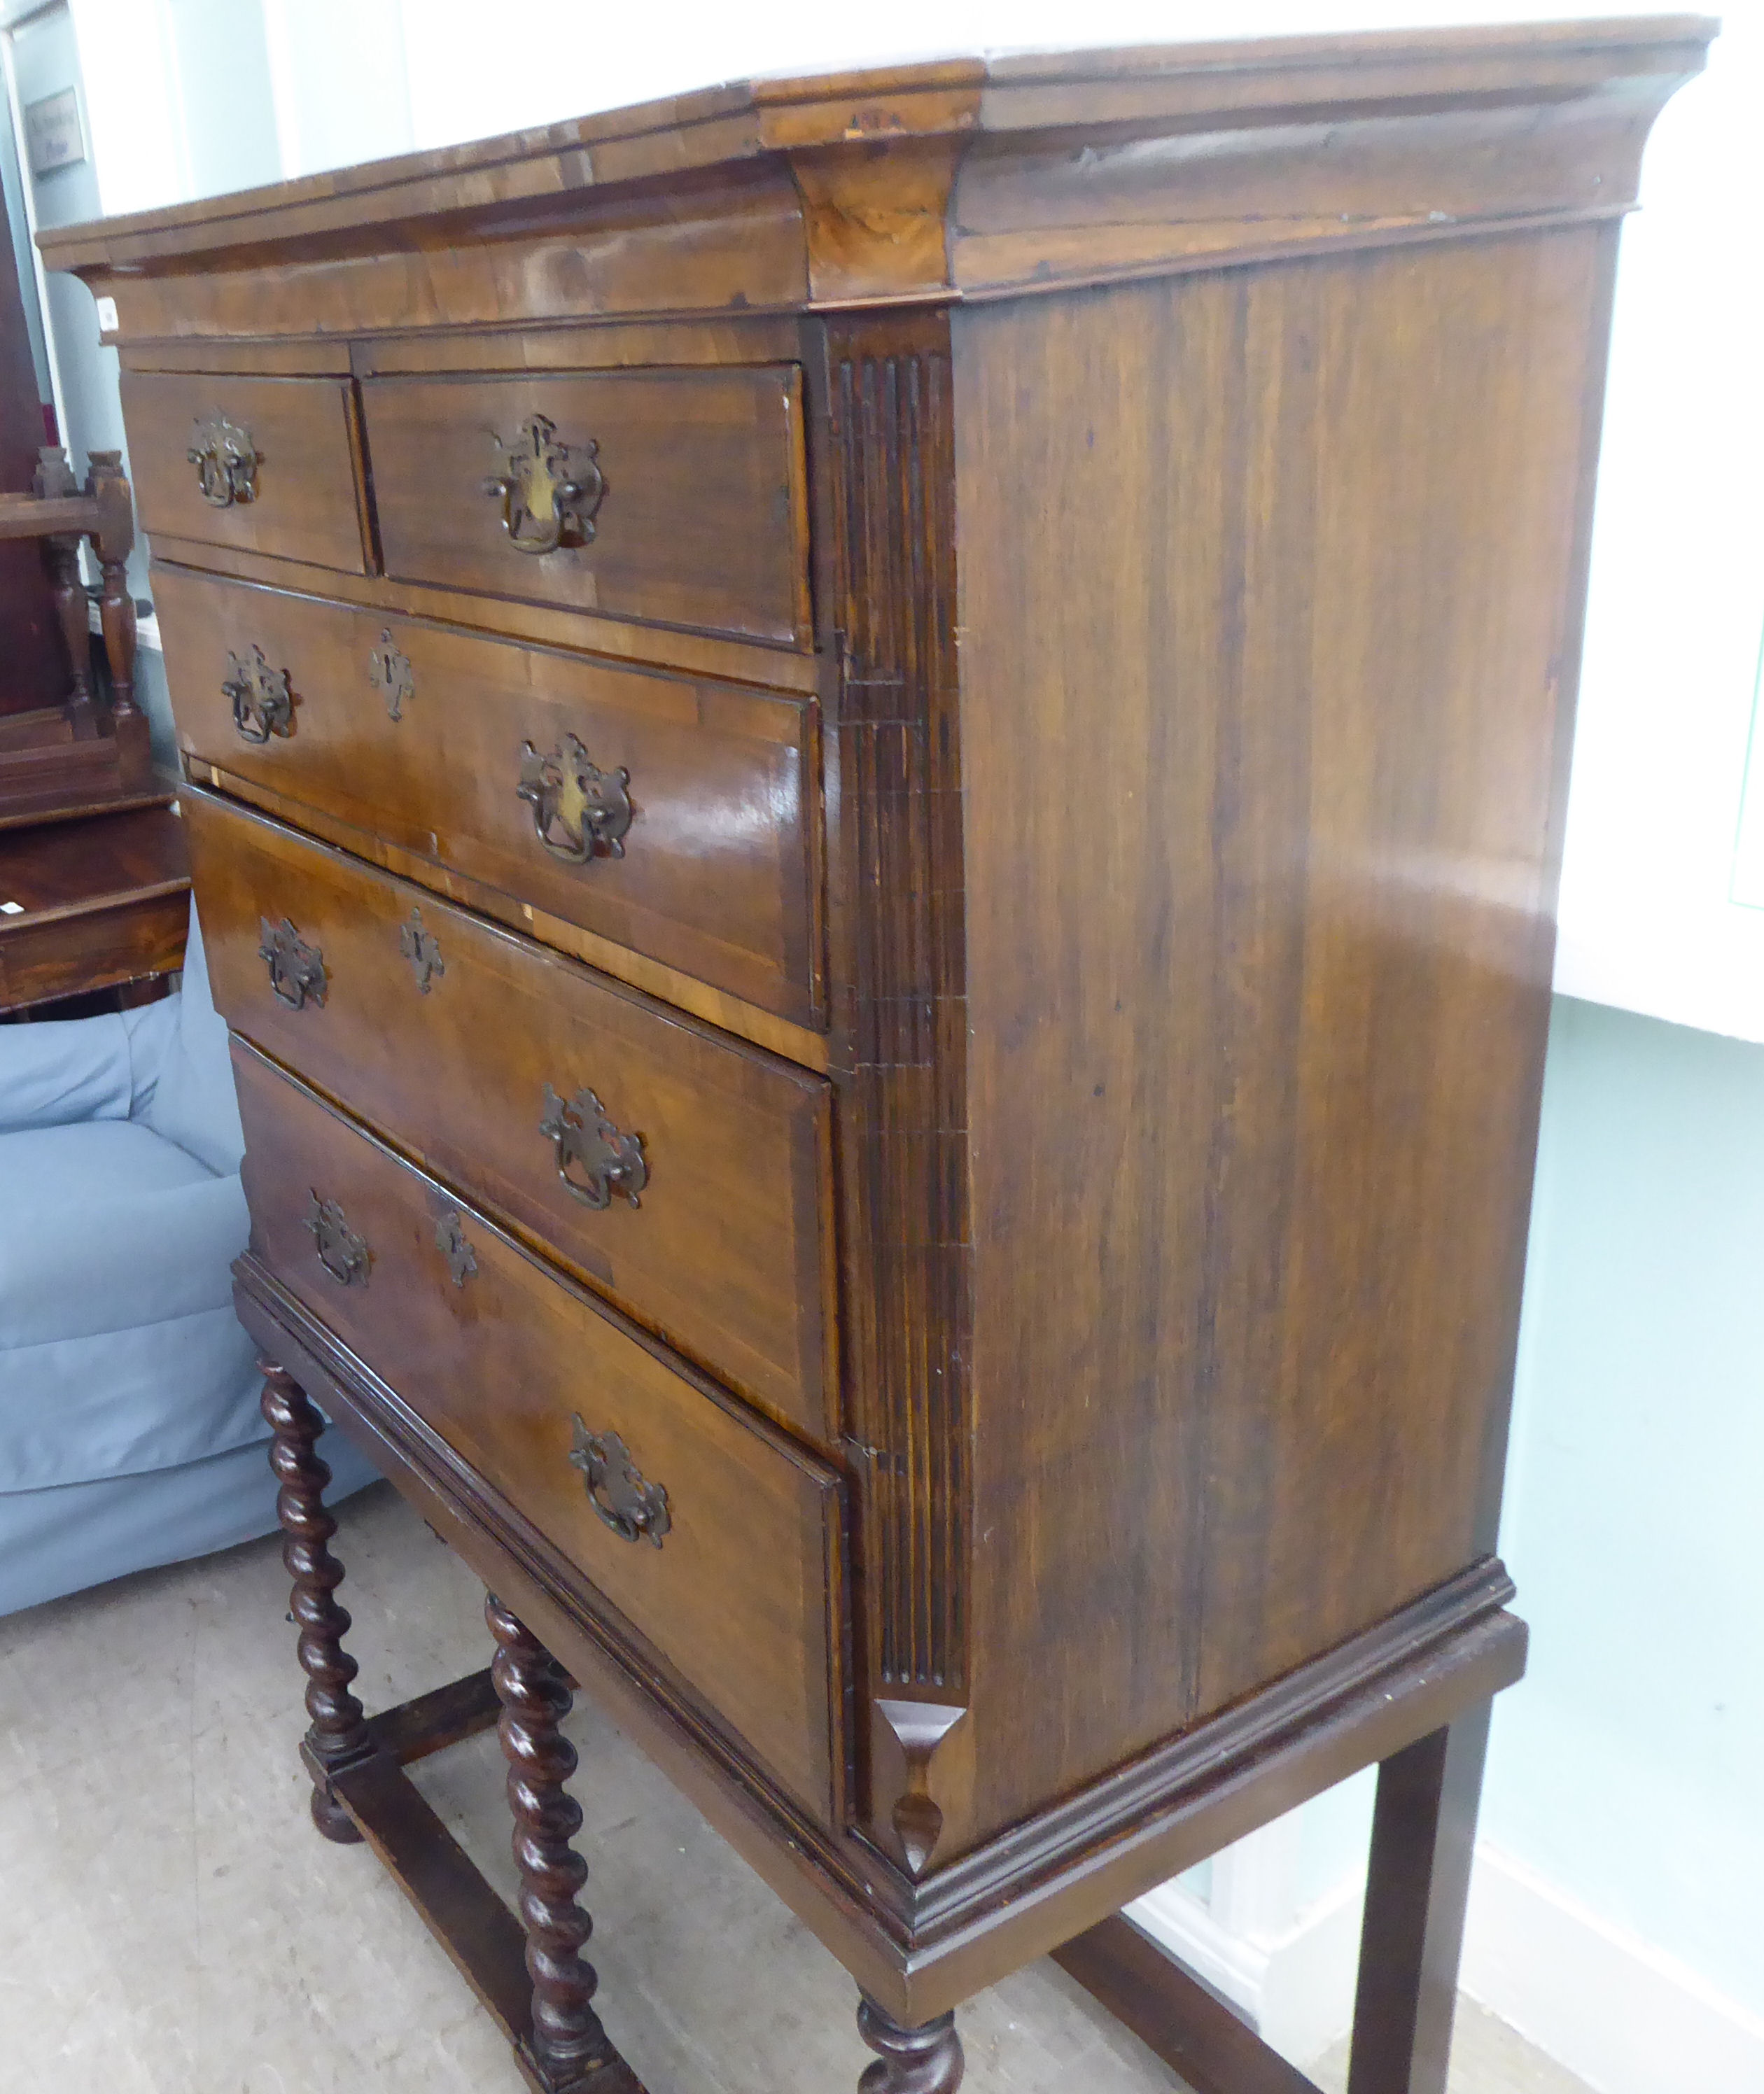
(307, 505)
(736, 1596)
(725, 1254)
(720, 873)
(701, 523)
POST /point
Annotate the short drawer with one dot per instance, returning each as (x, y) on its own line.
(267, 465)
(684, 1175)
(710, 1534)
(673, 816)
(689, 505)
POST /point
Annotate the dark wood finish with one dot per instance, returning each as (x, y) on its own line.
(920, 1949)
(566, 2041)
(338, 1736)
(901, 1045)
(1306, 958)
(33, 668)
(743, 1598)
(916, 2061)
(304, 502)
(440, 1719)
(720, 871)
(54, 757)
(861, 185)
(104, 901)
(686, 992)
(614, 639)
(700, 524)
(724, 1256)
(1174, 2014)
(1423, 1830)
(1145, 495)
(486, 1942)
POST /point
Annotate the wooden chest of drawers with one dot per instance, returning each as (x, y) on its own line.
(875, 775)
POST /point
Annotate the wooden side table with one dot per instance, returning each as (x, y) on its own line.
(94, 904)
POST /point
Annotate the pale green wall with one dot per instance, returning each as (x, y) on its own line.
(1629, 1768)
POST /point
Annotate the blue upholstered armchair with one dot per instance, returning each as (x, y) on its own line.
(129, 1429)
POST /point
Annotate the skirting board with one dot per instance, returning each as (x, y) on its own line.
(1604, 2005)
(1611, 2008)
(1296, 1991)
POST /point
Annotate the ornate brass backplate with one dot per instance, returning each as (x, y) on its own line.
(549, 491)
(580, 811)
(389, 671)
(422, 949)
(263, 703)
(594, 1159)
(297, 976)
(634, 1509)
(226, 459)
(451, 1241)
(343, 1254)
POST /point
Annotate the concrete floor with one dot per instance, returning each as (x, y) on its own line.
(171, 1924)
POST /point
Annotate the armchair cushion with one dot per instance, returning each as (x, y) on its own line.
(119, 1352)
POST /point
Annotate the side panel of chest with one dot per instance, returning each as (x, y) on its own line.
(1261, 848)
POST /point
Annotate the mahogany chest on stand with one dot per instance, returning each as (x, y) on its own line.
(876, 770)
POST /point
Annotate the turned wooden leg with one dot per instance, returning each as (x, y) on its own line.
(920, 2060)
(61, 556)
(568, 2043)
(338, 1734)
(1422, 1831)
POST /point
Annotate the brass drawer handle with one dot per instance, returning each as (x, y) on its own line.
(226, 459)
(342, 1254)
(262, 705)
(635, 1510)
(580, 811)
(297, 974)
(546, 488)
(589, 1143)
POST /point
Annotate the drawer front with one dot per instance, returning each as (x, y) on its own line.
(697, 1193)
(705, 857)
(274, 469)
(517, 1372)
(692, 504)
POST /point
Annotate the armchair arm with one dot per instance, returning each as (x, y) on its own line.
(60, 1071)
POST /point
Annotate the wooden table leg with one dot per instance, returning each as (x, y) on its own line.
(919, 2061)
(568, 2046)
(338, 1737)
(1423, 1830)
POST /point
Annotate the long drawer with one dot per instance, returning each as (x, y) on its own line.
(682, 1174)
(672, 816)
(266, 465)
(712, 1536)
(678, 497)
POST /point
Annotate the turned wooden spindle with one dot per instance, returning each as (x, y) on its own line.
(115, 539)
(54, 480)
(567, 2041)
(338, 1734)
(919, 2061)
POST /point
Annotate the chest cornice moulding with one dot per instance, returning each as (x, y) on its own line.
(960, 179)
